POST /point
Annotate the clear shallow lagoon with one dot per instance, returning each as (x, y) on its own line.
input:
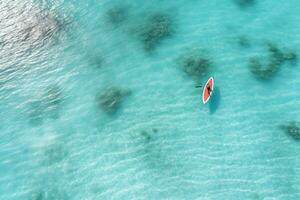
(57, 142)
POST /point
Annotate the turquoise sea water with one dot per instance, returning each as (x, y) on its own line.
(58, 57)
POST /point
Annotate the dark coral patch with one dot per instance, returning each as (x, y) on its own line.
(244, 3)
(156, 28)
(116, 15)
(262, 71)
(276, 58)
(148, 135)
(279, 56)
(111, 99)
(196, 65)
(291, 129)
(291, 57)
(243, 41)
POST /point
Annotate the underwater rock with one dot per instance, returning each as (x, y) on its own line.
(110, 100)
(244, 3)
(291, 129)
(196, 65)
(116, 15)
(275, 59)
(147, 135)
(156, 28)
(243, 41)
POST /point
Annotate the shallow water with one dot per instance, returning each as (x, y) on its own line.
(161, 142)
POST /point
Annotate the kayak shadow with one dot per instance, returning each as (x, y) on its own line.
(214, 100)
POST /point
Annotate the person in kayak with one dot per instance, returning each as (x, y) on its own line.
(208, 89)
